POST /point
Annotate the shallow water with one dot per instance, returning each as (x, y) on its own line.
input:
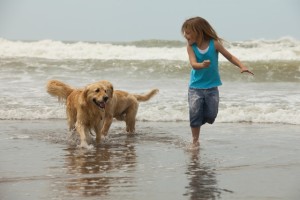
(40, 160)
(237, 160)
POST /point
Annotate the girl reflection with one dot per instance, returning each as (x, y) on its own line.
(202, 179)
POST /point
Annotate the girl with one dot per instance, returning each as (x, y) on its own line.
(203, 95)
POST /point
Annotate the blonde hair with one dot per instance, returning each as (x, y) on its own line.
(203, 29)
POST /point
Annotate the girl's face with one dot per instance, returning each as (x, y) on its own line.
(190, 36)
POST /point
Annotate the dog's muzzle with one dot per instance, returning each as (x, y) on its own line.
(101, 104)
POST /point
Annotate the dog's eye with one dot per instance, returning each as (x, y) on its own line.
(97, 90)
(105, 91)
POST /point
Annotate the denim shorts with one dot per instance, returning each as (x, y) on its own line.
(203, 106)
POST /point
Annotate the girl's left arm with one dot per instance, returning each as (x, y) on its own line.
(234, 60)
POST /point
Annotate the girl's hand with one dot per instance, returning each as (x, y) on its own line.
(206, 63)
(245, 69)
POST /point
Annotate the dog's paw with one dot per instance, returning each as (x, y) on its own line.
(104, 138)
(85, 145)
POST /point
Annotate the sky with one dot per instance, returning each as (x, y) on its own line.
(134, 20)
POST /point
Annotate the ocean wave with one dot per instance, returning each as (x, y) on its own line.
(172, 112)
(254, 50)
(154, 43)
(265, 71)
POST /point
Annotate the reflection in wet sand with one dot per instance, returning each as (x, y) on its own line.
(202, 179)
(37, 162)
(94, 172)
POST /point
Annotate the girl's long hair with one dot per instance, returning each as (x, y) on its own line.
(203, 29)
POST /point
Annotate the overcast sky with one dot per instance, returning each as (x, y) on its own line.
(131, 20)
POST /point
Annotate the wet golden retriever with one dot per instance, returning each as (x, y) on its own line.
(85, 107)
(124, 106)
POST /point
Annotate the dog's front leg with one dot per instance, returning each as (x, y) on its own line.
(84, 133)
(97, 129)
(106, 125)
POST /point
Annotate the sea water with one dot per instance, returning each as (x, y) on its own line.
(272, 95)
(39, 159)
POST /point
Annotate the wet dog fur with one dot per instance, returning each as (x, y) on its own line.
(124, 106)
(85, 107)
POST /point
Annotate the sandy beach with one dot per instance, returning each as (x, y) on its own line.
(40, 160)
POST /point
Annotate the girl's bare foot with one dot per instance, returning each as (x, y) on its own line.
(194, 146)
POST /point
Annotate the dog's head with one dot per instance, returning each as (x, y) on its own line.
(98, 93)
(109, 87)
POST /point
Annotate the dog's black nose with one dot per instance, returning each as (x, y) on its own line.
(105, 98)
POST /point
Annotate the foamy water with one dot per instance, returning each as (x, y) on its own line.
(271, 96)
(282, 49)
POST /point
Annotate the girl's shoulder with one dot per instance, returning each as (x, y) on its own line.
(217, 44)
(215, 41)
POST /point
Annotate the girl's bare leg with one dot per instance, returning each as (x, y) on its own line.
(195, 133)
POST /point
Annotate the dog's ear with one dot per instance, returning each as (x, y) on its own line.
(83, 97)
(110, 90)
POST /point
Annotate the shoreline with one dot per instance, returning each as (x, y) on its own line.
(235, 161)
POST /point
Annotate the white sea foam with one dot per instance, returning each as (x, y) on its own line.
(281, 49)
(270, 96)
(251, 113)
(16, 137)
(173, 109)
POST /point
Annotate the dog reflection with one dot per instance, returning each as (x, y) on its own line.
(97, 170)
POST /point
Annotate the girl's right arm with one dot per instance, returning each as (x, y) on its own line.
(193, 60)
(234, 60)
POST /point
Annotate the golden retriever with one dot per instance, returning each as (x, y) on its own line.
(85, 107)
(124, 106)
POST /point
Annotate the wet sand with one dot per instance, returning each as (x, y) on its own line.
(40, 160)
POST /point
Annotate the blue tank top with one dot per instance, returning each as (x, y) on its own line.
(208, 77)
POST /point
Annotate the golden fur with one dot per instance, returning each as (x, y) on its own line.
(124, 106)
(85, 107)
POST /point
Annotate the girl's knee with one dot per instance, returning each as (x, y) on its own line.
(210, 120)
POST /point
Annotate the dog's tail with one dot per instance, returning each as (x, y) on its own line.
(59, 89)
(147, 96)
